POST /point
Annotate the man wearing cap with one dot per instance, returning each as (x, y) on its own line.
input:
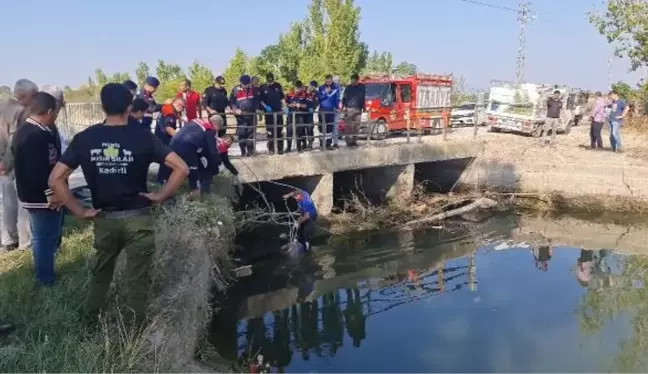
(150, 86)
(244, 104)
(273, 101)
(132, 86)
(216, 101)
(15, 228)
(193, 108)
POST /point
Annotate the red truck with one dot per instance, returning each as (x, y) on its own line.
(424, 99)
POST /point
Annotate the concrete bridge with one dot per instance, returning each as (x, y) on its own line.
(384, 169)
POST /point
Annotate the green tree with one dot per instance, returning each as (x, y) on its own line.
(623, 89)
(166, 72)
(625, 25)
(344, 52)
(381, 63)
(236, 67)
(142, 72)
(405, 68)
(311, 64)
(290, 50)
(201, 76)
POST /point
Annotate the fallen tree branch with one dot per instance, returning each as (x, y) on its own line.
(481, 203)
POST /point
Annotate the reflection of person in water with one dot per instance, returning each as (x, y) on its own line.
(332, 326)
(584, 267)
(541, 256)
(281, 351)
(354, 317)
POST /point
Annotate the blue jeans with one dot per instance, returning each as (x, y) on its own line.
(615, 135)
(336, 130)
(47, 229)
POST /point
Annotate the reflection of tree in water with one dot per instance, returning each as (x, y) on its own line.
(610, 294)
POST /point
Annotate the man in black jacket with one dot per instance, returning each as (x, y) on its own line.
(37, 148)
(216, 101)
(353, 102)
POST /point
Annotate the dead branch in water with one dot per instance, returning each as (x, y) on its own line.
(481, 203)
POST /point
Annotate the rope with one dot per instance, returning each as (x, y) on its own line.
(292, 230)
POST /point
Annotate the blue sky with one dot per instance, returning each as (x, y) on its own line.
(62, 42)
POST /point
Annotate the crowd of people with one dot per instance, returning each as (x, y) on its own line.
(294, 111)
(115, 156)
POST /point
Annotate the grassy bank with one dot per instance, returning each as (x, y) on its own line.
(192, 255)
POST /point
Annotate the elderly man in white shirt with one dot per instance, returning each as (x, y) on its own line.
(15, 231)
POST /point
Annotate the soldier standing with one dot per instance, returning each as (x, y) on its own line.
(150, 86)
(244, 103)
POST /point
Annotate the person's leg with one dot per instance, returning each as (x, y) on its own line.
(24, 229)
(9, 224)
(310, 129)
(305, 233)
(46, 229)
(251, 135)
(205, 182)
(279, 133)
(140, 247)
(617, 136)
(613, 140)
(545, 129)
(336, 130)
(290, 132)
(592, 135)
(598, 139)
(321, 127)
(554, 128)
(271, 130)
(329, 119)
(222, 131)
(241, 134)
(108, 242)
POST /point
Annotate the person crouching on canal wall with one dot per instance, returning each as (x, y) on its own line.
(115, 160)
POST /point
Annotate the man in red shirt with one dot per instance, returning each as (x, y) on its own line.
(193, 108)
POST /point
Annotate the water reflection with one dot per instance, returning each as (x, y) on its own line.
(318, 326)
(417, 303)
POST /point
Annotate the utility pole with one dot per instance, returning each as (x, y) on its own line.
(524, 16)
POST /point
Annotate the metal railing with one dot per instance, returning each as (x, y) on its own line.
(298, 130)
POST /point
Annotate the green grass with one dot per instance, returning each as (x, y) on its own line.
(191, 257)
(50, 335)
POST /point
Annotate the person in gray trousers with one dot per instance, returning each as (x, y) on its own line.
(15, 230)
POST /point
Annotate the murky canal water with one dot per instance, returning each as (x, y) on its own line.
(438, 301)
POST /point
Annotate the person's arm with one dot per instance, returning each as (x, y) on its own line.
(179, 171)
(69, 161)
(169, 124)
(199, 106)
(626, 109)
(210, 150)
(363, 93)
(304, 217)
(228, 164)
(234, 102)
(345, 97)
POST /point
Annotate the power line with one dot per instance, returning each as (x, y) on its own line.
(524, 15)
(494, 6)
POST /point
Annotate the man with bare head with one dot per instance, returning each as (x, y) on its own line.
(14, 229)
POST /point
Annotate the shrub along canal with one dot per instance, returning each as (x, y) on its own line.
(506, 294)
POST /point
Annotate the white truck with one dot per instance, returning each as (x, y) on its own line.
(523, 108)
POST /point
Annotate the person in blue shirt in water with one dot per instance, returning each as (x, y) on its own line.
(308, 215)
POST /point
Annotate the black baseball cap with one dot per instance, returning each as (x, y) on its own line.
(219, 79)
